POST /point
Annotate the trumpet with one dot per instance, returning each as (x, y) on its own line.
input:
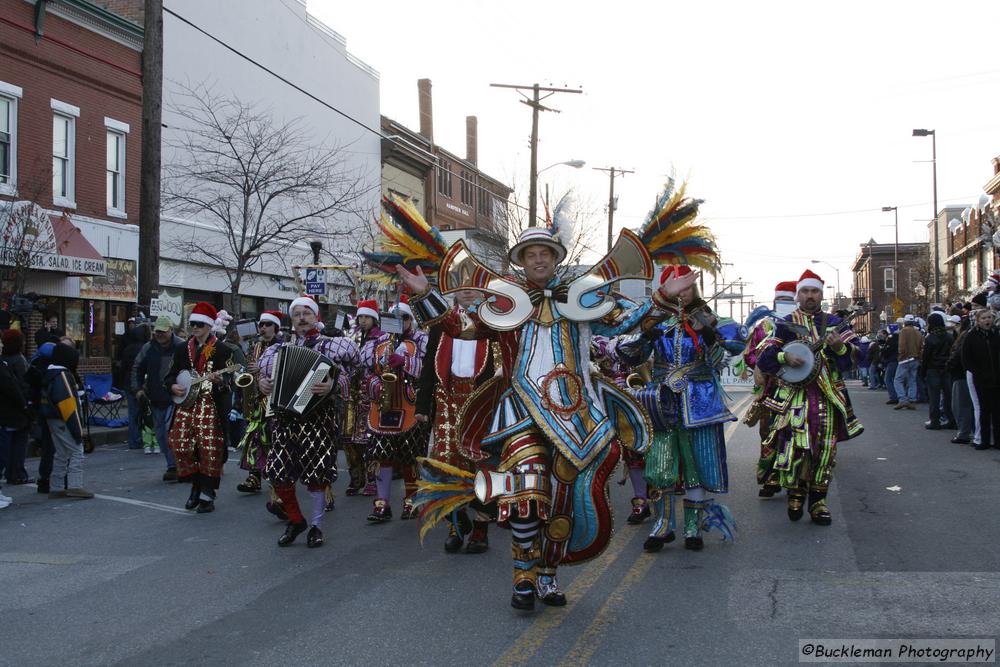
(640, 378)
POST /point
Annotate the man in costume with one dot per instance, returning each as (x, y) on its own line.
(758, 414)
(685, 401)
(812, 417)
(554, 428)
(365, 335)
(456, 364)
(197, 436)
(256, 440)
(397, 438)
(304, 447)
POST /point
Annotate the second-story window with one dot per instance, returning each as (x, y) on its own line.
(889, 279)
(467, 189)
(64, 154)
(115, 167)
(444, 177)
(9, 95)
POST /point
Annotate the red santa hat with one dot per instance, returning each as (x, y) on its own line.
(270, 317)
(994, 281)
(369, 308)
(786, 289)
(307, 301)
(203, 313)
(403, 307)
(809, 279)
(676, 270)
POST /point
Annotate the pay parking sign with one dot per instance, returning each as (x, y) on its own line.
(315, 280)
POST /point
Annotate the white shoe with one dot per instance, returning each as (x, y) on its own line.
(148, 449)
(5, 499)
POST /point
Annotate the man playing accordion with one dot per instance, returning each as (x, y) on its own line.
(303, 447)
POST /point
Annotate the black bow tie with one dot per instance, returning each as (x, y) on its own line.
(560, 293)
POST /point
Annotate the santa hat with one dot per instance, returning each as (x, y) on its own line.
(306, 301)
(369, 308)
(994, 280)
(403, 307)
(203, 313)
(270, 317)
(675, 270)
(786, 289)
(809, 279)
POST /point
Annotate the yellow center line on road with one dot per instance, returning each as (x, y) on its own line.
(525, 647)
(528, 643)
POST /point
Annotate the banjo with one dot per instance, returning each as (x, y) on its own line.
(189, 381)
(809, 353)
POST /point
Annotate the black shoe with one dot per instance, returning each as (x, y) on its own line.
(292, 530)
(250, 485)
(170, 475)
(931, 426)
(314, 538)
(276, 509)
(654, 544)
(205, 506)
(980, 448)
(694, 543)
(476, 546)
(554, 599)
(454, 542)
(193, 500)
(960, 441)
(891, 402)
(42, 486)
(951, 426)
(524, 600)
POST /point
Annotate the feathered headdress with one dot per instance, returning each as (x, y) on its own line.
(670, 235)
(406, 238)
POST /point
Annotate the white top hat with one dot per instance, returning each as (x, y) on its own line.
(536, 236)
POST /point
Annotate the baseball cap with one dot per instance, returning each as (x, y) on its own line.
(163, 323)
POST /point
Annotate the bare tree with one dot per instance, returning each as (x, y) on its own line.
(260, 183)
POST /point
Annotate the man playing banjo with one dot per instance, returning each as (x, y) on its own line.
(809, 352)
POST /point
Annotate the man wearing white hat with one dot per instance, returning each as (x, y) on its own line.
(555, 431)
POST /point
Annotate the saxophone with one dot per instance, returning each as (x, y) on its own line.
(246, 380)
(389, 379)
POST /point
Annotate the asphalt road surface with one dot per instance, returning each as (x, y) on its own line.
(131, 578)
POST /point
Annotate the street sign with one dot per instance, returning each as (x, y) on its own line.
(315, 280)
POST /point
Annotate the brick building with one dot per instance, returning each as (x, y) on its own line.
(70, 123)
(876, 285)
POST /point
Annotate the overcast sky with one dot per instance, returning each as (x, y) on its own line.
(792, 119)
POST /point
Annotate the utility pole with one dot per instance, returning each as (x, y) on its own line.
(612, 171)
(149, 181)
(535, 103)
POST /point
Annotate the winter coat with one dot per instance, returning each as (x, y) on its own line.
(149, 369)
(937, 349)
(955, 367)
(13, 413)
(981, 356)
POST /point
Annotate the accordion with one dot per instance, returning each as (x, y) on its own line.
(296, 371)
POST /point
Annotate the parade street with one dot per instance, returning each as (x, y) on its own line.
(132, 578)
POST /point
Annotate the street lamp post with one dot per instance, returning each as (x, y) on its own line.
(937, 280)
(895, 250)
(819, 261)
(532, 210)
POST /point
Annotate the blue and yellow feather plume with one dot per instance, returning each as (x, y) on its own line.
(405, 238)
(441, 489)
(671, 236)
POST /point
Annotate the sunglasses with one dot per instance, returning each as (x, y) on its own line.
(197, 324)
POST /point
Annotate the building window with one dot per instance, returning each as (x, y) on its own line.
(889, 279)
(444, 177)
(9, 95)
(960, 276)
(972, 277)
(115, 167)
(64, 154)
(468, 189)
(485, 202)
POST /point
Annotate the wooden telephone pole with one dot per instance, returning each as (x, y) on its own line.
(535, 103)
(612, 171)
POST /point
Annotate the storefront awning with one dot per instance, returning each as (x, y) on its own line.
(37, 240)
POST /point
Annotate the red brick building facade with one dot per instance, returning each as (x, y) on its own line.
(70, 130)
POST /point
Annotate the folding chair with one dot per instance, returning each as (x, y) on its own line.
(101, 410)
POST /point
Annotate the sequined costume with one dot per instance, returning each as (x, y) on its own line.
(687, 405)
(196, 435)
(555, 428)
(256, 440)
(354, 435)
(455, 365)
(810, 420)
(759, 414)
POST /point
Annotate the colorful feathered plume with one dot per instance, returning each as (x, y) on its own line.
(564, 216)
(441, 489)
(670, 235)
(406, 238)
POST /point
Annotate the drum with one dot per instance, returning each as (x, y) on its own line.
(805, 373)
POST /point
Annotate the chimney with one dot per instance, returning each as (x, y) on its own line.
(426, 109)
(471, 139)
